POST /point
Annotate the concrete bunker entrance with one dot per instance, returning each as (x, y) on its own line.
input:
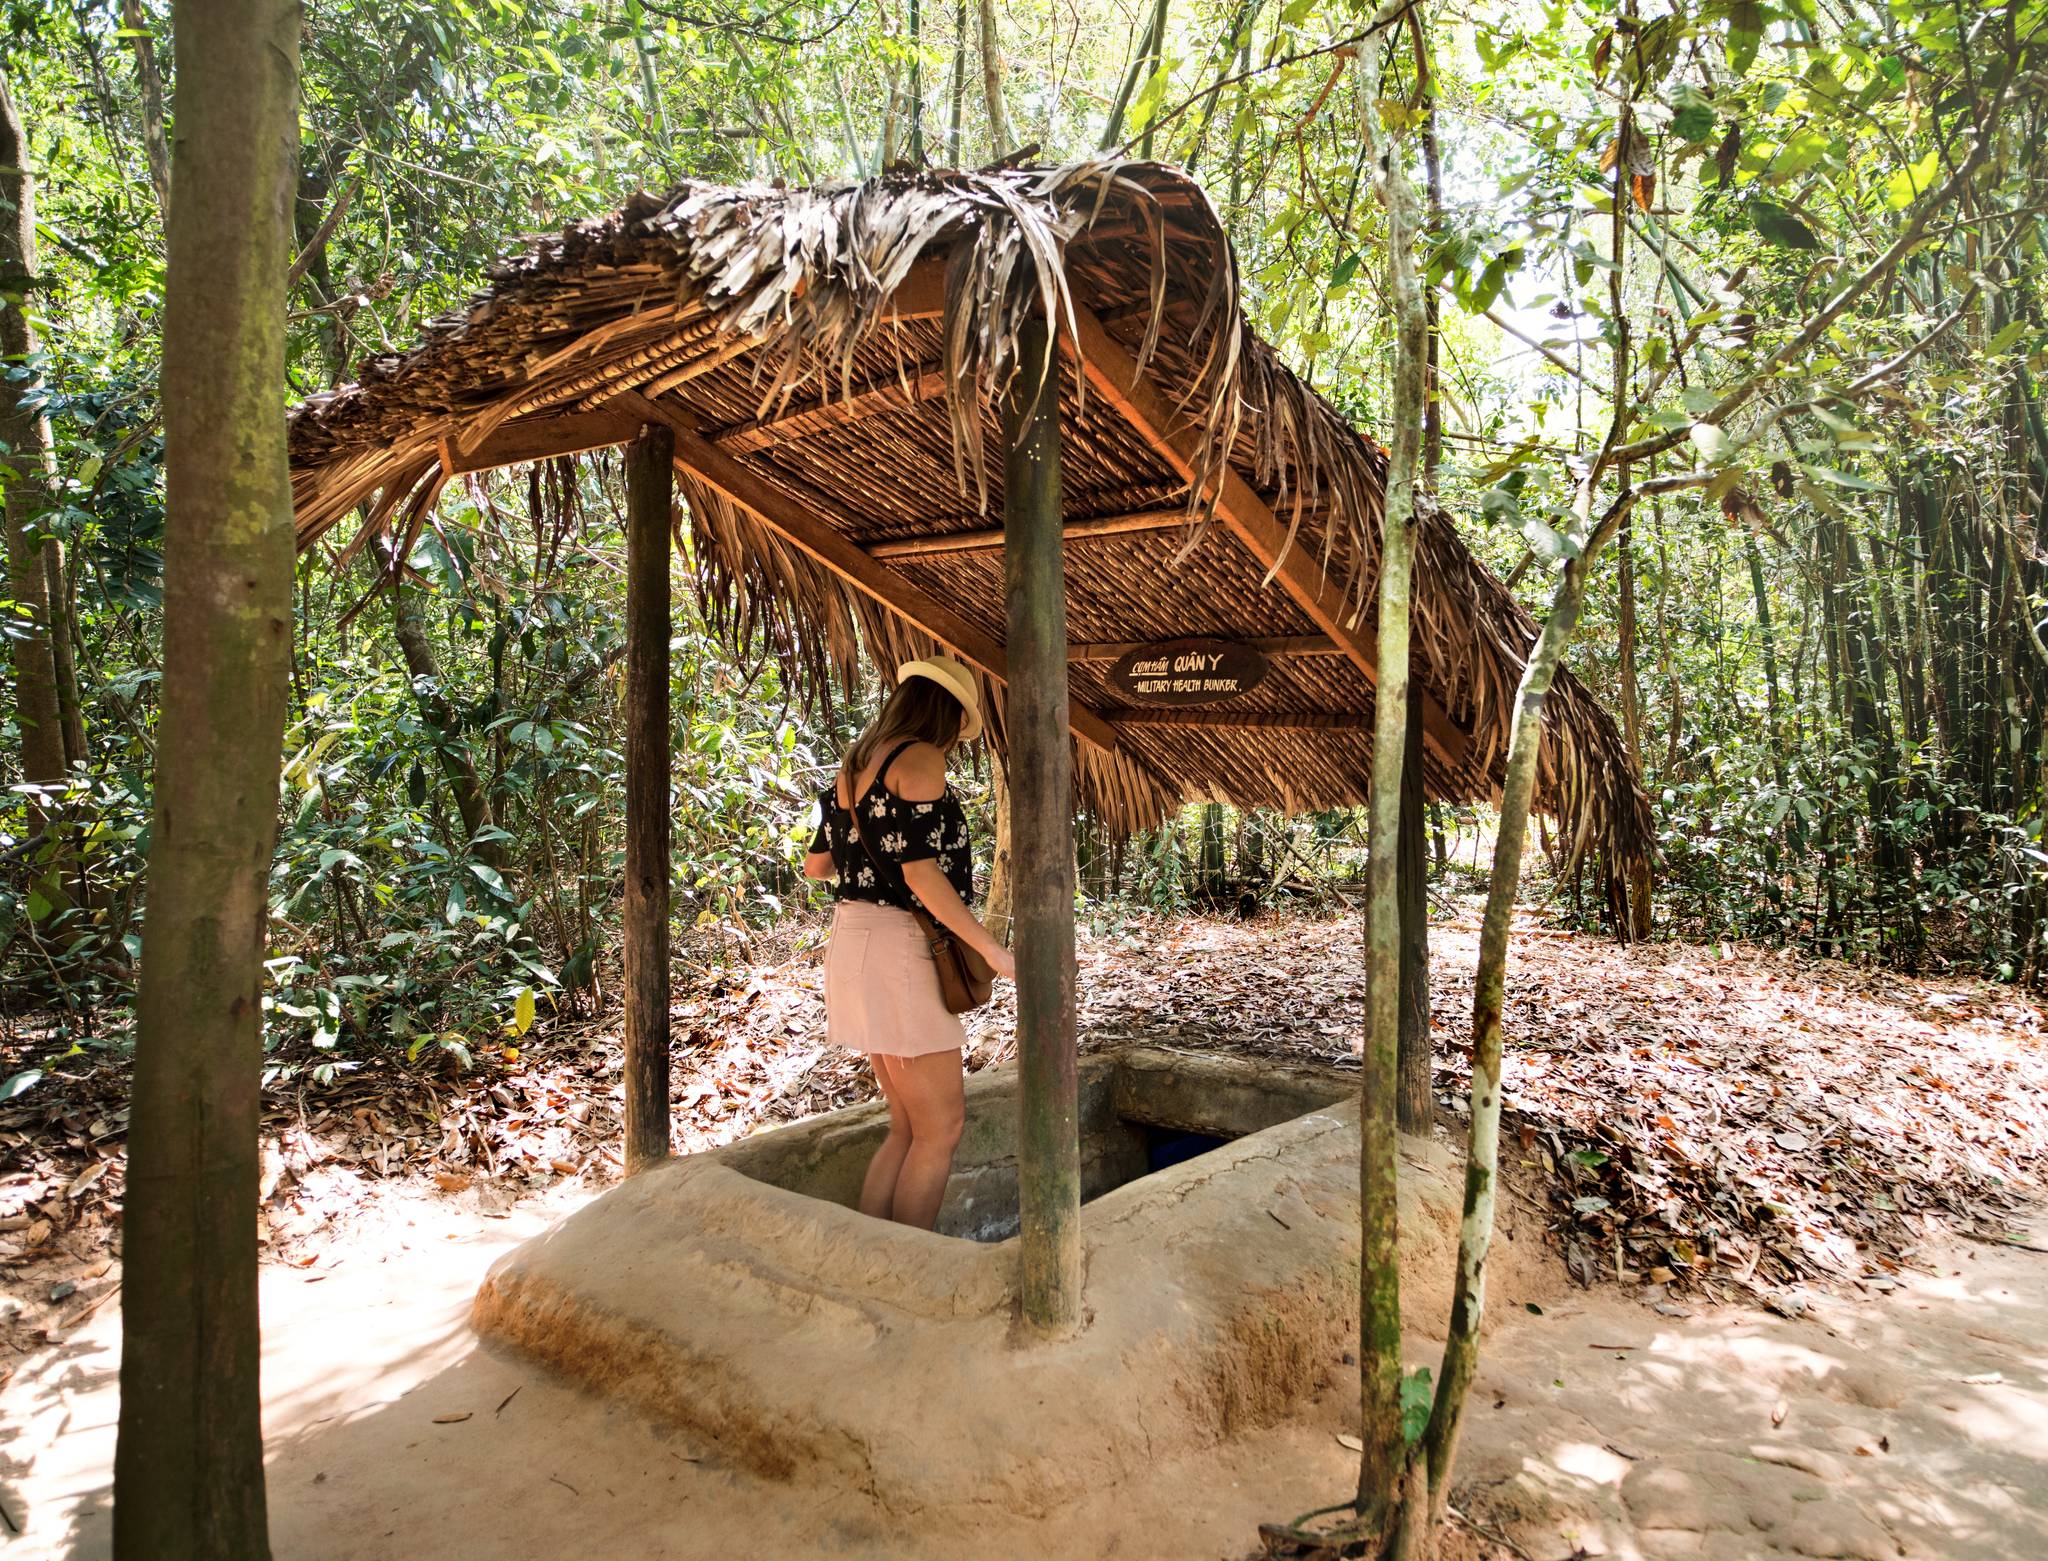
(1141, 1112)
(739, 1295)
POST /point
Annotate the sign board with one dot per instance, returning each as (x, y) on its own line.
(1187, 672)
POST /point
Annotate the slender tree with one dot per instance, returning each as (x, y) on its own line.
(1416, 1104)
(992, 80)
(188, 1467)
(1592, 529)
(1382, 1474)
(154, 141)
(996, 909)
(25, 433)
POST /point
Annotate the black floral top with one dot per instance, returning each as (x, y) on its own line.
(897, 832)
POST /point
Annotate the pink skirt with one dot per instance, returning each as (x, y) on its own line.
(881, 989)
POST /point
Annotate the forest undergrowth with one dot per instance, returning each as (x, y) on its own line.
(1703, 1121)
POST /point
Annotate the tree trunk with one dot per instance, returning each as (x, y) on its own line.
(1383, 1462)
(992, 81)
(1625, 649)
(1416, 1104)
(59, 576)
(958, 89)
(1525, 737)
(1461, 1347)
(1212, 850)
(188, 1464)
(996, 910)
(916, 84)
(650, 478)
(1145, 54)
(154, 142)
(1041, 770)
(26, 434)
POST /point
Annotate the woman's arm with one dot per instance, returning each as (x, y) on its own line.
(937, 895)
(819, 864)
(920, 776)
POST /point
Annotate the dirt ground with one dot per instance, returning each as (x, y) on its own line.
(1855, 1372)
(1909, 1425)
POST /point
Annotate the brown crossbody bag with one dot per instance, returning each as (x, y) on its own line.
(966, 980)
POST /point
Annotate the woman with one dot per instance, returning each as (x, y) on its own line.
(881, 988)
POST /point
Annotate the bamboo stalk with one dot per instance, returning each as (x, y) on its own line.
(991, 541)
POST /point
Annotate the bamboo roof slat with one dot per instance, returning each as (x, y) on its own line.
(1278, 645)
(991, 540)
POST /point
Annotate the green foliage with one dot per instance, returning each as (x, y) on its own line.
(1418, 1395)
(1882, 801)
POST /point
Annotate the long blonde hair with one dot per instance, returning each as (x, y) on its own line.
(917, 710)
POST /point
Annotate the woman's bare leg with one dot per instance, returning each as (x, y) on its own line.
(878, 1190)
(932, 1092)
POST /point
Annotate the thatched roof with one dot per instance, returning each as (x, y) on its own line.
(835, 358)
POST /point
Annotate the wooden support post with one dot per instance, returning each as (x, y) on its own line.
(650, 483)
(1042, 836)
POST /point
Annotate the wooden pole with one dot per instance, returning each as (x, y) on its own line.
(1042, 840)
(650, 479)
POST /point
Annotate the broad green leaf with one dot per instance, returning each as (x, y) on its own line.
(20, 1082)
(1693, 123)
(38, 906)
(1843, 479)
(1546, 541)
(1745, 32)
(1799, 153)
(1491, 280)
(1780, 226)
(1906, 185)
(1418, 1396)
(2006, 337)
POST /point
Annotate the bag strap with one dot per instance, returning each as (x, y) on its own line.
(895, 878)
(860, 837)
(893, 875)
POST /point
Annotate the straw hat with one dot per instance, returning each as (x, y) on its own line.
(955, 680)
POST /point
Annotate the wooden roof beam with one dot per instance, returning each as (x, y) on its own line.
(1113, 374)
(809, 531)
(991, 540)
(540, 438)
(877, 398)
